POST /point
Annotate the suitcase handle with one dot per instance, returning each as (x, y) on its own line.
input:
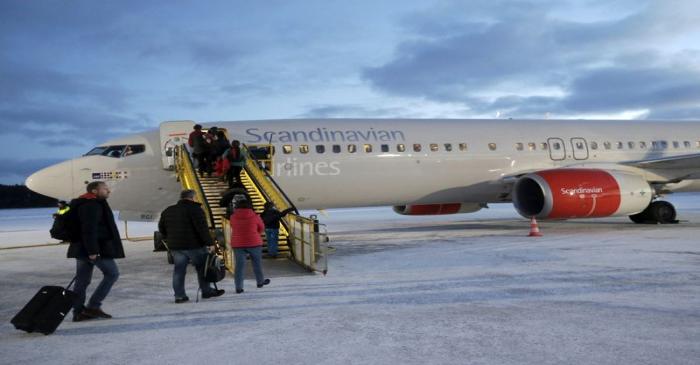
(71, 282)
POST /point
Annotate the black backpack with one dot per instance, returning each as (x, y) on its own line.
(214, 268)
(65, 224)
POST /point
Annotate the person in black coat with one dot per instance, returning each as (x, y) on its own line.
(227, 196)
(95, 242)
(271, 217)
(186, 234)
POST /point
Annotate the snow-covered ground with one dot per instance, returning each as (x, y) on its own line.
(464, 289)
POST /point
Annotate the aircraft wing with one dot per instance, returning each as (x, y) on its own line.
(684, 162)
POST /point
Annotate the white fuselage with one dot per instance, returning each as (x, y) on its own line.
(484, 154)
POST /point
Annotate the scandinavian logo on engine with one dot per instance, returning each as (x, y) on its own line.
(573, 191)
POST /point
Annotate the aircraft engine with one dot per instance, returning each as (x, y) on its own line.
(437, 209)
(580, 193)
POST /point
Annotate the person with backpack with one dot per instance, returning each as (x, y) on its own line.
(185, 232)
(271, 217)
(95, 242)
(246, 228)
(237, 158)
(227, 198)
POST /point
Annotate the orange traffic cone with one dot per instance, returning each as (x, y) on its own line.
(534, 229)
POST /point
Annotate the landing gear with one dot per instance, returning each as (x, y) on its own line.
(658, 212)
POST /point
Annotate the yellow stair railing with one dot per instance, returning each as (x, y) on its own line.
(305, 236)
(187, 176)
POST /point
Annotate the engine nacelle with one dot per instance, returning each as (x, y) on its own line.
(437, 209)
(580, 193)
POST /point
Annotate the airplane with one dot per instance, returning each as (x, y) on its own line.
(548, 169)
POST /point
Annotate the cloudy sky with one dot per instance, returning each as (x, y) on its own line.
(75, 73)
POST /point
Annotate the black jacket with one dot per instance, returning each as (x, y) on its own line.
(271, 217)
(94, 229)
(184, 226)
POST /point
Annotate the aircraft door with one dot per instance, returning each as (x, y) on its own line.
(580, 148)
(173, 134)
(557, 149)
(264, 155)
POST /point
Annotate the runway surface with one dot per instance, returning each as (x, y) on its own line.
(463, 289)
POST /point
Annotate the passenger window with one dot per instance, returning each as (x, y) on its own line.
(664, 145)
(320, 148)
(385, 148)
(492, 146)
(304, 148)
(368, 148)
(619, 145)
(544, 146)
(352, 148)
(686, 144)
(532, 146)
(579, 145)
(416, 147)
(556, 146)
(336, 148)
(433, 147)
(519, 146)
(401, 147)
(642, 145)
(448, 147)
(607, 145)
(594, 145)
(287, 149)
(676, 144)
(654, 145)
(463, 146)
(630, 145)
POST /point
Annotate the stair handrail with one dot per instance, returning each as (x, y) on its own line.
(262, 178)
(190, 180)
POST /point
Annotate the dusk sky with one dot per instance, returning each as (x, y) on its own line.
(76, 73)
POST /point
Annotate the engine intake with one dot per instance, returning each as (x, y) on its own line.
(580, 193)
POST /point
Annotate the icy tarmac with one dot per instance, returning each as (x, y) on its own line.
(464, 289)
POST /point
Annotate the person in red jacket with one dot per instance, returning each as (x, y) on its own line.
(246, 230)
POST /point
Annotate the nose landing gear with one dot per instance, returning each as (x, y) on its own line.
(658, 212)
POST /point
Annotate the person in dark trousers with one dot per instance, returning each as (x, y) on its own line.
(236, 157)
(184, 229)
(246, 228)
(271, 217)
(200, 149)
(96, 242)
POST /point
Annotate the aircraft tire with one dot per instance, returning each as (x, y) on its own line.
(640, 218)
(663, 212)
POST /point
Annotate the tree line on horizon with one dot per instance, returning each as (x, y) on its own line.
(19, 196)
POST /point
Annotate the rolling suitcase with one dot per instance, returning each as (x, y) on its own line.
(46, 310)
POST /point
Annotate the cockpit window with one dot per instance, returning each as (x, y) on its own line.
(96, 151)
(133, 149)
(114, 151)
(117, 151)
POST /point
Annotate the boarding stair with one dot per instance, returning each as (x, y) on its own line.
(214, 187)
(301, 239)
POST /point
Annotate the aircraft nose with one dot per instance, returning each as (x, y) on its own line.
(55, 181)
